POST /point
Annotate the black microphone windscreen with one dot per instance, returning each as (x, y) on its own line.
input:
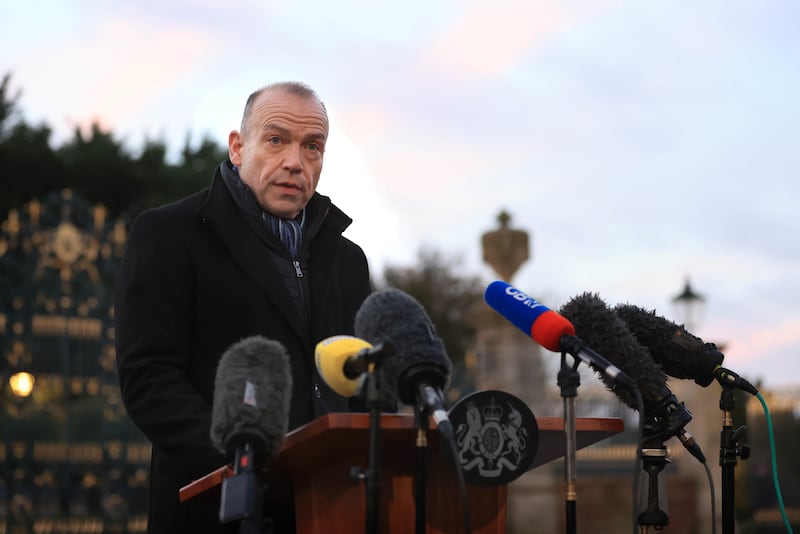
(600, 328)
(252, 392)
(395, 317)
(681, 354)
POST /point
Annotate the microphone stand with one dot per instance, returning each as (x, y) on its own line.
(372, 477)
(420, 479)
(665, 420)
(654, 458)
(569, 379)
(373, 480)
(729, 451)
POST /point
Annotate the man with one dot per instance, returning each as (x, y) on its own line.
(257, 253)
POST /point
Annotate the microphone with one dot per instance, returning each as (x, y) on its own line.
(601, 326)
(681, 354)
(342, 361)
(549, 329)
(420, 369)
(249, 419)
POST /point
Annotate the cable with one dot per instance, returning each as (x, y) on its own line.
(773, 455)
(637, 461)
(713, 499)
(462, 483)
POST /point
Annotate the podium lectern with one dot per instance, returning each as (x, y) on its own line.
(314, 464)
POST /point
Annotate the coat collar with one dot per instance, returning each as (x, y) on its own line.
(319, 209)
(246, 247)
(235, 223)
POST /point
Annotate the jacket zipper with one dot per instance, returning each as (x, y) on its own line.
(298, 271)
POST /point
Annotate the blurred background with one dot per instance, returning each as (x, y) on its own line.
(642, 152)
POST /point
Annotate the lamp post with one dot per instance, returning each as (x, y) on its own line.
(18, 505)
(689, 306)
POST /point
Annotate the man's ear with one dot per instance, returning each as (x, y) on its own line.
(235, 142)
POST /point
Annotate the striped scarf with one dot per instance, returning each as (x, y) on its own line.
(290, 231)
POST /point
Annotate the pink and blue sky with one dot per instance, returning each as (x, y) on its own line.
(639, 143)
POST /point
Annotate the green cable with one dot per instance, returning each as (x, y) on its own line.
(774, 463)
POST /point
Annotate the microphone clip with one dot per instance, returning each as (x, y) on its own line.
(367, 359)
(669, 418)
(666, 419)
(729, 379)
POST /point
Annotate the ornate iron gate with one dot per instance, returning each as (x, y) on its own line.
(72, 461)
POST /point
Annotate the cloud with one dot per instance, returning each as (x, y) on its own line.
(759, 352)
(112, 74)
(636, 143)
(349, 181)
(493, 37)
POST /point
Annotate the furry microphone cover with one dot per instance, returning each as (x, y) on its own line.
(681, 354)
(393, 316)
(252, 392)
(597, 325)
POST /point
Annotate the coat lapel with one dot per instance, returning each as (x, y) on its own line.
(248, 250)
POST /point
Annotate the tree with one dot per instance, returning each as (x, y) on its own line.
(95, 165)
(445, 295)
(8, 105)
(28, 166)
(98, 168)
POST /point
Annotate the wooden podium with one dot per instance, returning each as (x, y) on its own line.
(315, 462)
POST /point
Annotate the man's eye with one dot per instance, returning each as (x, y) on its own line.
(274, 140)
(313, 146)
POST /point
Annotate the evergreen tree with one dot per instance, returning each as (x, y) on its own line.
(445, 294)
(94, 165)
(28, 166)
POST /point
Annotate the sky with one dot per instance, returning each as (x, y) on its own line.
(638, 143)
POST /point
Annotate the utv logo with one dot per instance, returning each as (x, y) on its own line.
(496, 435)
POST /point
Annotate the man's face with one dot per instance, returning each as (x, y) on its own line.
(279, 152)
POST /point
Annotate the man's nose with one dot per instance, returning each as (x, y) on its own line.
(292, 160)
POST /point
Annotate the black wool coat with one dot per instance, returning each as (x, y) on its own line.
(195, 279)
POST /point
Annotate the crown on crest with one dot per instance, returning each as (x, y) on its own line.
(492, 412)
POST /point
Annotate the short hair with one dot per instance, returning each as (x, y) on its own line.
(293, 88)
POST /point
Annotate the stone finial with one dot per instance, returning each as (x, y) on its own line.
(505, 250)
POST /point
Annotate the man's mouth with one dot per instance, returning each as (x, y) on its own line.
(286, 185)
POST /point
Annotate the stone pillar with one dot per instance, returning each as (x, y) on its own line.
(505, 250)
(505, 359)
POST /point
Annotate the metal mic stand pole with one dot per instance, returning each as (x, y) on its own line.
(569, 379)
(371, 360)
(420, 479)
(373, 479)
(729, 451)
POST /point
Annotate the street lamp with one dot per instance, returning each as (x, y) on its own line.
(689, 306)
(18, 511)
(21, 384)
